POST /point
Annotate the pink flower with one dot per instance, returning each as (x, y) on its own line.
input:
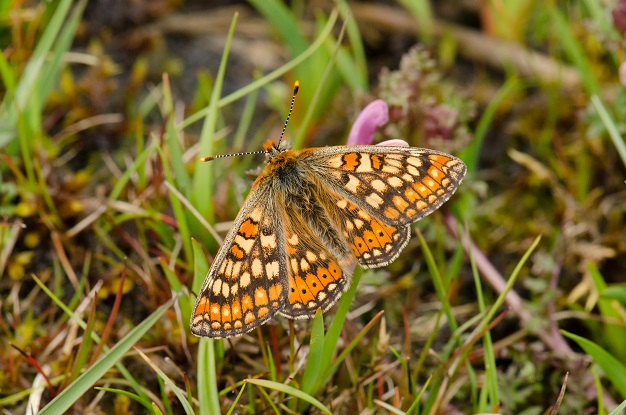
(373, 116)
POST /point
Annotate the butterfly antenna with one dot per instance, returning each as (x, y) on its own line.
(219, 156)
(296, 88)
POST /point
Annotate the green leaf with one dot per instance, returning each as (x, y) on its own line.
(614, 370)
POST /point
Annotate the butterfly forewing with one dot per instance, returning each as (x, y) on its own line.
(399, 185)
(247, 282)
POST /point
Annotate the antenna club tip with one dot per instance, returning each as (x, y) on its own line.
(207, 158)
(296, 86)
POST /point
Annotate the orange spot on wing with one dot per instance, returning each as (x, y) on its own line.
(248, 229)
(236, 251)
(432, 184)
(350, 161)
(215, 311)
(249, 318)
(246, 303)
(226, 313)
(275, 291)
(236, 310)
(263, 311)
(302, 291)
(260, 297)
(323, 274)
(383, 233)
(436, 174)
(436, 158)
(391, 213)
(400, 203)
(335, 270)
(377, 161)
(200, 309)
(411, 195)
(371, 240)
(315, 285)
(422, 189)
(360, 245)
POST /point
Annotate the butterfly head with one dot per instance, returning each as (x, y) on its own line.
(273, 148)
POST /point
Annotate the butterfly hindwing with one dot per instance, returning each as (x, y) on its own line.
(316, 276)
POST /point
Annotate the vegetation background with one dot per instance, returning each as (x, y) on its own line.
(509, 300)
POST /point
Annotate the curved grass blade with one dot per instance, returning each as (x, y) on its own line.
(84, 382)
(614, 370)
(290, 390)
(177, 391)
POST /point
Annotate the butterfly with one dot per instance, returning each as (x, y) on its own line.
(309, 217)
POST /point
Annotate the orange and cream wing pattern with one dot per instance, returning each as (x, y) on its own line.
(400, 185)
(380, 191)
(373, 241)
(246, 284)
(316, 276)
(310, 215)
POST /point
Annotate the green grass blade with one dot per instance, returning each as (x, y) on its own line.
(614, 370)
(177, 208)
(390, 409)
(334, 329)
(269, 77)
(208, 394)
(63, 43)
(471, 152)
(509, 284)
(125, 373)
(37, 62)
(200, 266)
(440, 287)
(234, 405)
(346, 351)
(207, 381)
(173, 387)
(573, 49)
(176, 286)
(146, 403)
(621, 409)
(202, 185)
(290, 390)
(611, 128)
(139, 161)
(284, 22)
(614, 293)
(358, 60)
(63, 401)
(489, 392)
(314, 364)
